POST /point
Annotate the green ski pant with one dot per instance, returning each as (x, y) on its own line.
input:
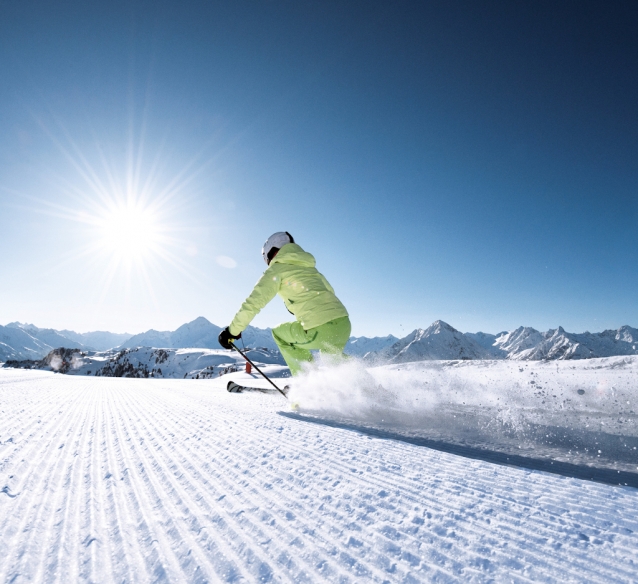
(295, 343)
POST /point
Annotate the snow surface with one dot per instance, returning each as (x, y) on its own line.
(139, 480)
(582, 413)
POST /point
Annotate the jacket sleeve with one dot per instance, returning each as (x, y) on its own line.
(263, 292)
(327, 284)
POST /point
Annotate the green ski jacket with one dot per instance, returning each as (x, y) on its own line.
(306, 293)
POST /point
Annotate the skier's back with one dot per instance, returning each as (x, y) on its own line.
(322, 321)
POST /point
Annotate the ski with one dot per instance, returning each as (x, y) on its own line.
(233, 387)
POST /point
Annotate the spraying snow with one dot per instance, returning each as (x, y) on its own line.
(579, 412)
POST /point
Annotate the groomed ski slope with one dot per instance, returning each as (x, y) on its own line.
(136, 480)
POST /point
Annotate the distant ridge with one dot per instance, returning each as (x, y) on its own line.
(199, 333)
(361, 346)
(438, 341)
(96, 341)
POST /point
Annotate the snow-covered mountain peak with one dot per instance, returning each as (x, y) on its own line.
(199, 322)
(197, 333)
(22, 325)
(627, 334)
(438, 327)
(438, 341)
(519, 339)
(416, 334)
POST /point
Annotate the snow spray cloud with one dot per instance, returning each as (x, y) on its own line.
(56, 362)
(64, 359)
(572, 409)
(76, 361)
(330, 387)
(347, 389)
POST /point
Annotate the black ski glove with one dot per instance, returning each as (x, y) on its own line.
(225, 338)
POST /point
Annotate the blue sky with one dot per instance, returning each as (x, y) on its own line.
(474, 162)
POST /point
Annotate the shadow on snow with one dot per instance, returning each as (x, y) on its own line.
(566, 469)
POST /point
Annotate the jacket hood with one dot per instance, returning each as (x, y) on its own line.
(291, 253)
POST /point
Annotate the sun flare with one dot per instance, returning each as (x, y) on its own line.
(130, 213)
(130, 230)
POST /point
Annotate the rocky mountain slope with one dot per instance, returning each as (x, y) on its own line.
(148, 362)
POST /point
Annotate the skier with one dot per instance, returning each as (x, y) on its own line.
(322, 321)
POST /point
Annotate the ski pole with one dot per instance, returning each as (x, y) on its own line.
(258, 369)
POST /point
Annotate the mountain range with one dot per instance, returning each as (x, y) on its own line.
(438, 341)
(27, 341)
(199, 333)
(441, 341)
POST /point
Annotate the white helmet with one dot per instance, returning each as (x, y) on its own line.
(274, 243)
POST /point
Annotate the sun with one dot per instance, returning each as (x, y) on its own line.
(130, 230)
(133, 213)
